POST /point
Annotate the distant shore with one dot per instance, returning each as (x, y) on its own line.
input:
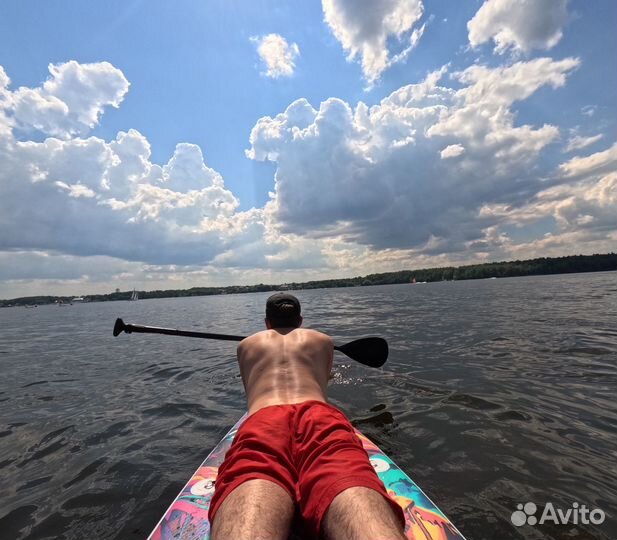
(531, 267)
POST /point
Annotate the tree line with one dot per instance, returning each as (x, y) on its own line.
(531, 267)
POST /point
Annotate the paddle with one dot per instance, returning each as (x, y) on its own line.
(370, 351)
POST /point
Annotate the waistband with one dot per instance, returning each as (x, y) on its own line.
(295, 406)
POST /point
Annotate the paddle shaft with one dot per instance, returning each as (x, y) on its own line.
(371, 352)
(141, 329)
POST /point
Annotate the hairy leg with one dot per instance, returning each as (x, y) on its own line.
(255, 510)
(360, 513)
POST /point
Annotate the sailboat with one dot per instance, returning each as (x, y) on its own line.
(134, 295)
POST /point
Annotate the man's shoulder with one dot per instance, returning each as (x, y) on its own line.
(253, 338)
(316, 334)
(266, 335)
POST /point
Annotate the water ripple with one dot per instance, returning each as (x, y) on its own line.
(496, 392)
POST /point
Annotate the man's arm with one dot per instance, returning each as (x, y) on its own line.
(240, 352)
(331, 360)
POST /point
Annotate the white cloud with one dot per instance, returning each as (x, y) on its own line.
(588, 204)
(71, 101)
(76, 190)
(598, 163)
(414, 39)
(556, 244)
(582, 201)
(88, 196)
(452, 151)
(6, 123)
(85, 197)
(365, 28)
(358, 189)
(370, 175)
(519, 25)
(502, 86)
(578, 142)
(278, 56)
(82, 202)
(4, 79)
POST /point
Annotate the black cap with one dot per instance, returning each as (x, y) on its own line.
(275, 309)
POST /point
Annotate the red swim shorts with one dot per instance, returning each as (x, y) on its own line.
(309, 449)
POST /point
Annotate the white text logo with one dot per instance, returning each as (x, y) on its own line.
(525, 514)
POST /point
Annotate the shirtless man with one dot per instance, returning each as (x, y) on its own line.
(296, 454)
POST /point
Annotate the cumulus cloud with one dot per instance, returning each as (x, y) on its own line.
(84, 196)
(429, 174)
(79, 197)
(374, 175)
(278, 56)
(86, 203)
(70, 102)
(518, 25)
(588, 204)
(582, 200)
(366, 28)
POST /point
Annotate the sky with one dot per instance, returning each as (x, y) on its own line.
(164, 145)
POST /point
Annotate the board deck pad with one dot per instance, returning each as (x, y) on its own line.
(187, 517)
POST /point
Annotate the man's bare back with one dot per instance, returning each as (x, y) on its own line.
(286, 365)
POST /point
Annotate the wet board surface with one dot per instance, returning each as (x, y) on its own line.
(187, 517)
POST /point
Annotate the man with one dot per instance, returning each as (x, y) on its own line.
(296, 453)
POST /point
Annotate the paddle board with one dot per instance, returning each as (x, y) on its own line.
(187, 517)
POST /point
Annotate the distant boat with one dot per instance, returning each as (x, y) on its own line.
(413, 281)
(134, 296)
(78, 299)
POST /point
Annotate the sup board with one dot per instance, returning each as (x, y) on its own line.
(187, 517)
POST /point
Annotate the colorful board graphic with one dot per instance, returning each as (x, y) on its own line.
(187, 517)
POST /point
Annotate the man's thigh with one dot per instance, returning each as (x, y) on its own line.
(256, 509)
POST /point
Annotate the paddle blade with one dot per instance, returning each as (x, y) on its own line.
(370, 351)
(118, 327)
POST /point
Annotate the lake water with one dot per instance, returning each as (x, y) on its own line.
(497, 392)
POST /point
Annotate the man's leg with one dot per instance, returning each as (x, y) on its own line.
(360, 513)
(255, 510)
